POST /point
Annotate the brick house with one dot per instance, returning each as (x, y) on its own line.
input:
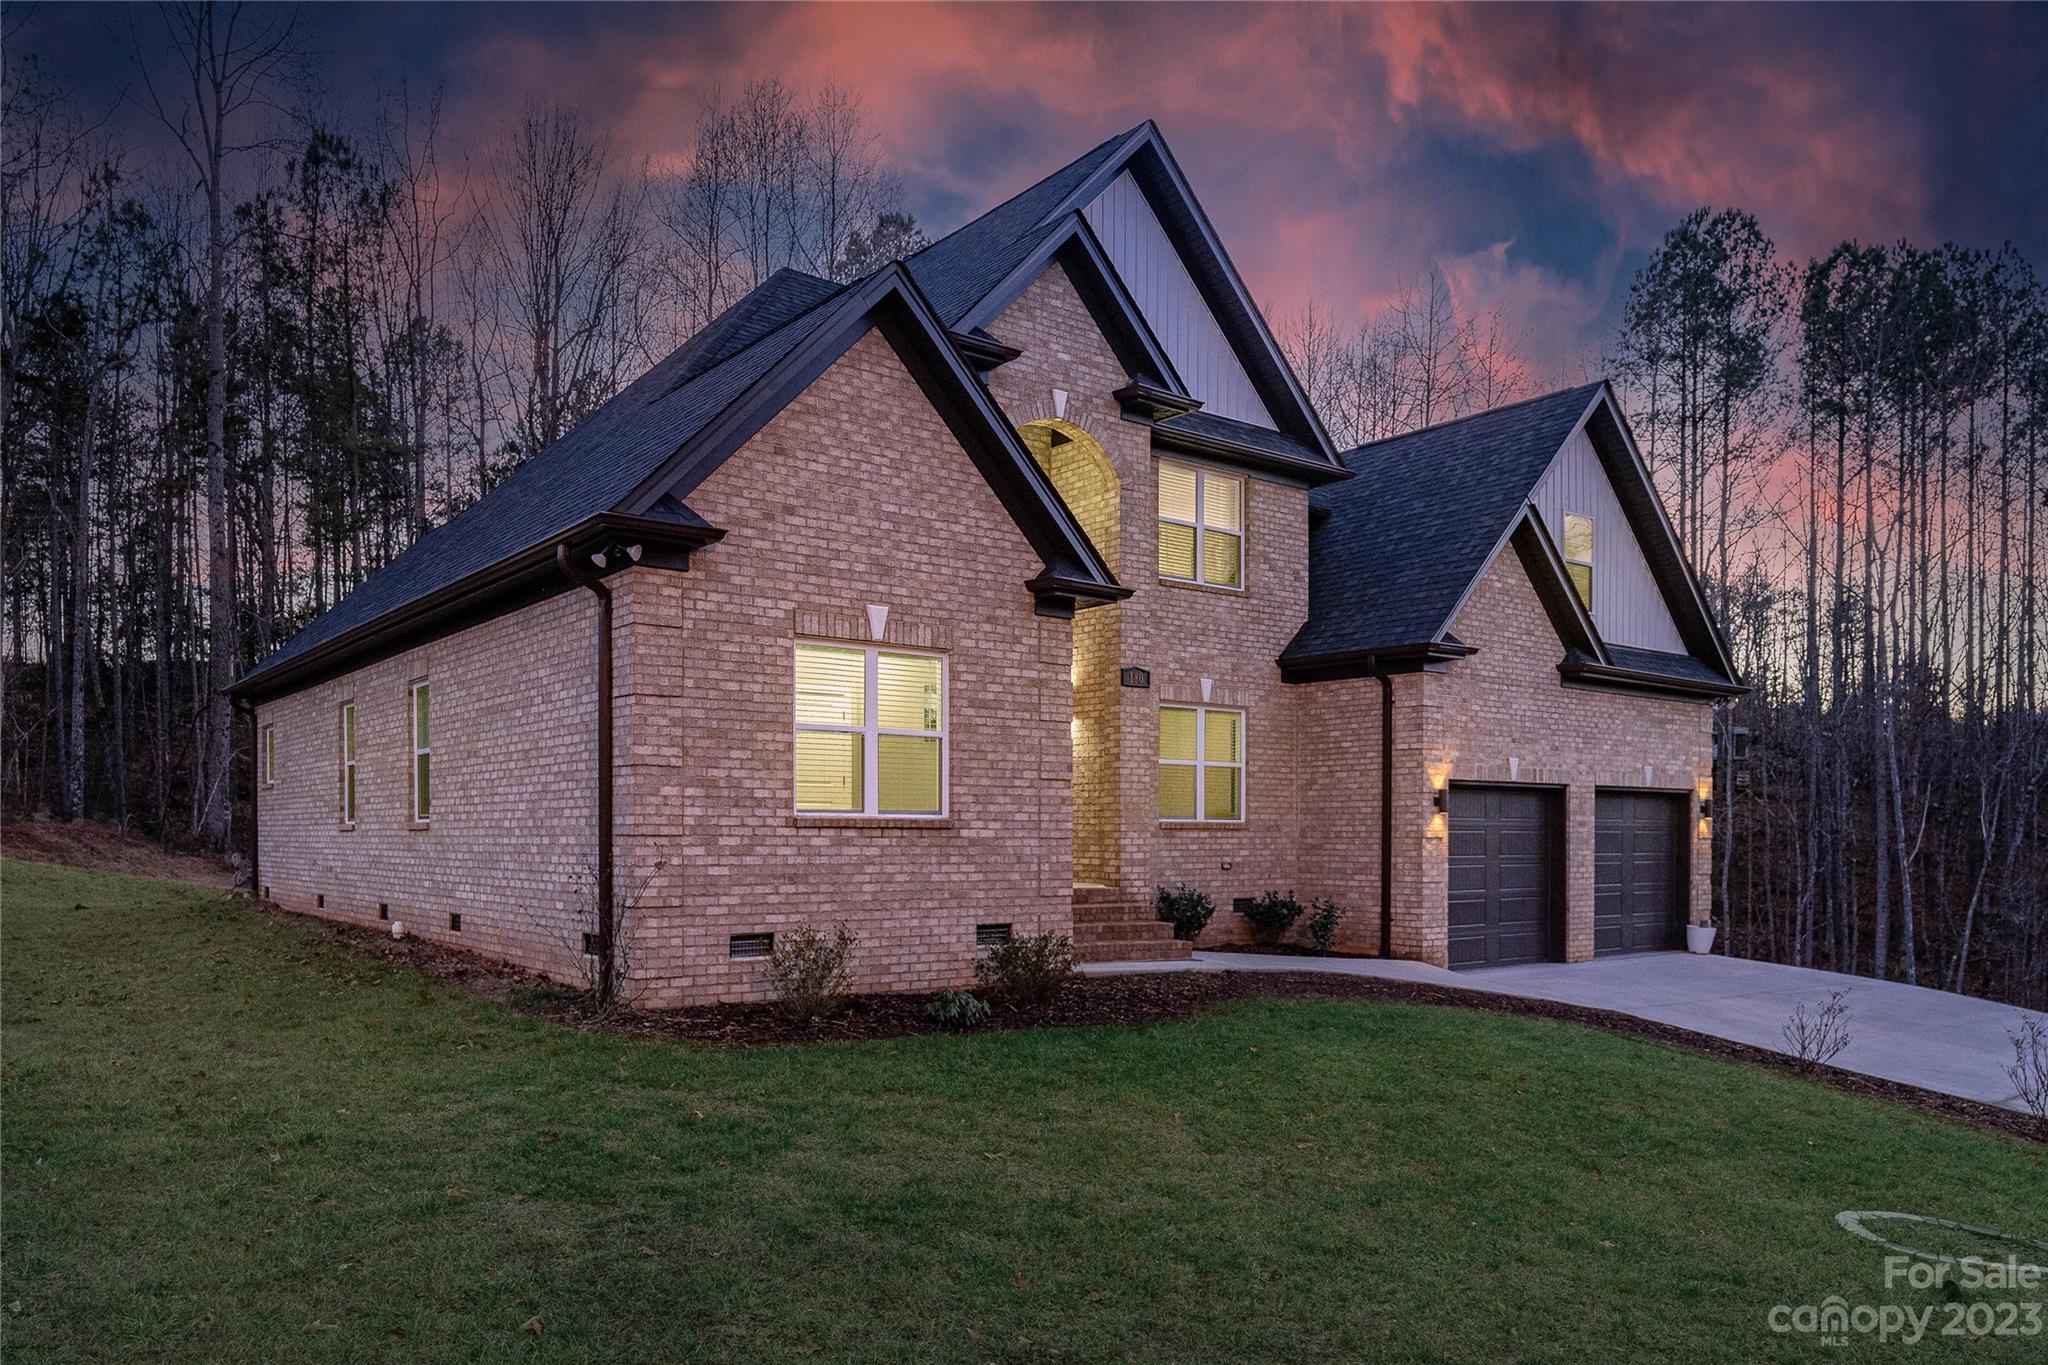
(983, 596)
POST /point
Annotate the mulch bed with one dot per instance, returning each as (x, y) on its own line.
(1137, 998)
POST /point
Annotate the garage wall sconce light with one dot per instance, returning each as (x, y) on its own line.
(1439, 800)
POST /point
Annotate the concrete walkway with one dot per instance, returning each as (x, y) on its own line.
(1932, 1039)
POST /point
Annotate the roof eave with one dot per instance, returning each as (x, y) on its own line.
(498, 587)
(1371, 663)
(1615, 678)
(1248, 456)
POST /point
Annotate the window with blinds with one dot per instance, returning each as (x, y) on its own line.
(870, 731)
(1201, 763)
(1201, 526)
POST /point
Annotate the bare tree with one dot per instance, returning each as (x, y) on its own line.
(561, 234)
(231, 58)
(1431, 375)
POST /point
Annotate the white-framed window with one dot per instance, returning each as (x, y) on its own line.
(422, 782)
(1578, 555)
(1201, 526)
(1201, 763)
(348, 764)
(269, 748)
(870, 731)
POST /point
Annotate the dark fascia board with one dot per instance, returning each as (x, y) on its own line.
(891, 301)
(983, 351)
(1242, 456)
(513, 582)
(1616, 446)
(1074, 247)
(1142, 402)
(1146, 155)
(1582, 672)
(1547, 573)
(1372, 663)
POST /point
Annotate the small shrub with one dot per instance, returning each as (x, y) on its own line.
(1324, 916)
(958, 1009)
(2029, 1071)
(1271, 915)
(1817, 1038)
(809, 971)
(1027, 973)
(1187, 909)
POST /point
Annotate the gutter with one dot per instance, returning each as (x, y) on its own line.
(1617, 677)
(606, 928)
(474, 593)
(255, 800)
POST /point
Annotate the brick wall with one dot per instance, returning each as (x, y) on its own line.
(1340, 802)
(1183, 634)
(855, 494)
(511, 842)
(1503, 715)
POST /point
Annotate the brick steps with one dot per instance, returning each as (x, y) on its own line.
(1112, 925)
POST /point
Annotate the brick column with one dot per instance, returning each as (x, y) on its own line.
(1421, 862)
(1579, 822)
(651, 713)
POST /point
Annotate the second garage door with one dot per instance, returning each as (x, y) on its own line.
(1638, 881)
(1503, 895)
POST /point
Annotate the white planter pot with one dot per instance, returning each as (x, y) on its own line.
(1699, 938)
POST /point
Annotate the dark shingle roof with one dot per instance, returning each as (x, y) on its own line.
(957, 271)
(1681, 666)
(1393, 549)
(1211, 426)
(599, 461)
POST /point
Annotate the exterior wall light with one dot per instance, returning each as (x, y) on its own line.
(1439, 800)
(1706, 795)
(629, 553)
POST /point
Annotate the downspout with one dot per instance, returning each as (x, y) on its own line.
(1386, 808)
(583, 578)
(255, 797)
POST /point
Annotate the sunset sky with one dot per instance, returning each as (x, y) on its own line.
(1534, 153)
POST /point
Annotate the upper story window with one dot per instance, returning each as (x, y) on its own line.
(348, 763)
(870, 731)
(422, 755)
(269, 747)
(1578, 555)
(1201, 763)
(1201, 526)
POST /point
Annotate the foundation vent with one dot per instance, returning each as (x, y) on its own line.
(590, 944)
(383, 910)
(750, 945)
(455, 923)
(320, 901)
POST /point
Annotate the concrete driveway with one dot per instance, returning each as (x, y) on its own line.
(1928, 1038)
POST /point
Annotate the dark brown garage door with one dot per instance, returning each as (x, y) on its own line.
(1503, 875)
(1638, 880)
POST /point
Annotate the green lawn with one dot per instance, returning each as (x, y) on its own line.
(229, 1139)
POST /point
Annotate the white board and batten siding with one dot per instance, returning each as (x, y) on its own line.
(1628, 608)
(1159, 283)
